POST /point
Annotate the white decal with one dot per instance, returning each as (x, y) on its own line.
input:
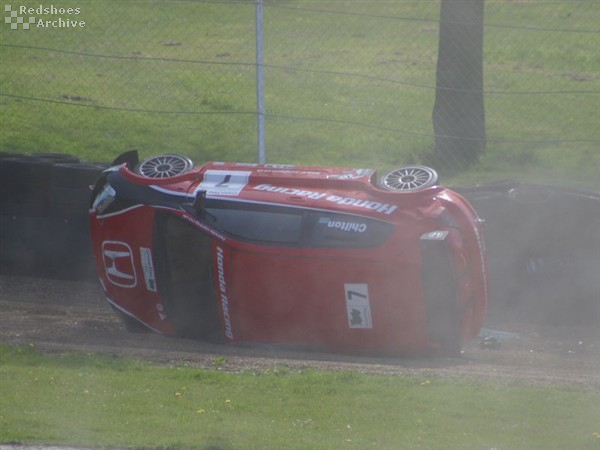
(203, 227)
(348, 201)
(352, 227)
(358, 305)
(288, 170)
(280, 166)
(224, 182)
(118, 264)
(351, 175)
(161, 311)
(223, 293)
(377, 206)
(290, 191)
(438, 235)
(148, 267)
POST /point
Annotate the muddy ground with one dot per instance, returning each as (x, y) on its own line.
(59, 316)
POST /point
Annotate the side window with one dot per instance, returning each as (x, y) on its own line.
(339, 230)
(295, 227)
(274, 226)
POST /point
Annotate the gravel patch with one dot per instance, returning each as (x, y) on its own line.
(61, 316)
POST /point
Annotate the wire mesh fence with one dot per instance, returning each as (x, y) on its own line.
(345, 82)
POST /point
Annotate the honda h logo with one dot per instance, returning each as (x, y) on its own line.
(118, 263)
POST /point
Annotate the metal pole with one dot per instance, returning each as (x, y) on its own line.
(260, 93)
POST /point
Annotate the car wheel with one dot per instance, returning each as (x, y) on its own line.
(164, 166)
(409, 179)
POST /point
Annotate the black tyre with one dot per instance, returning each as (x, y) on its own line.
(69, 203)
(71, 188)
(10, 154)
(74, 175)
(24, 169)
(24, 184)
(57, 158)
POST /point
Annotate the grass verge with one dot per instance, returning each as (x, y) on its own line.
(101, 401)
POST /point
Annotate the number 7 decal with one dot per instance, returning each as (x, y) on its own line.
(224, 182)
(358, 305)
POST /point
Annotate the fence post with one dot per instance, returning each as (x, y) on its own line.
(260, 94)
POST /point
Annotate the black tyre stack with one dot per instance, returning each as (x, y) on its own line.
(44, 201)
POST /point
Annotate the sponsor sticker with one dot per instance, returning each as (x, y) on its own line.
(350, 227)
(352, 174)
(384, 208)
(358, 305)
(148, 268)
(438, 235)
(223, 292)
(224, 182)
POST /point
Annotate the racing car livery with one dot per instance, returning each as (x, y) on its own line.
(337, 259)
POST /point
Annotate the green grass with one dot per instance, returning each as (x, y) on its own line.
(347, 83)
(102, 401)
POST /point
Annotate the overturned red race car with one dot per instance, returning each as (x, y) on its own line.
(335, 259)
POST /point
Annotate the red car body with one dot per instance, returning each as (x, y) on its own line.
(330, 258)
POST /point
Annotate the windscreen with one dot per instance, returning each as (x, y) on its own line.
(184, 263)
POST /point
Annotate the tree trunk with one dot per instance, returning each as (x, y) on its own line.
(458, 113)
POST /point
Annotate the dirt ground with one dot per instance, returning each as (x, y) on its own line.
(59, 316)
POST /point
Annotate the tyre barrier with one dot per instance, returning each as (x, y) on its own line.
(44, 202)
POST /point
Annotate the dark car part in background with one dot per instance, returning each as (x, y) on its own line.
(327, 258)
(543, 247)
